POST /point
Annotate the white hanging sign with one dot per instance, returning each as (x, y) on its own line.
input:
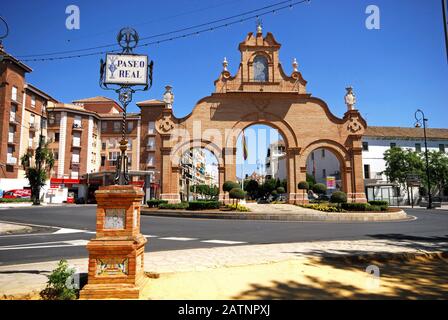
(126, 69)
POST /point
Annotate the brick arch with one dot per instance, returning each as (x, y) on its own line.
(275, 122)
(198, 143)
(341, 153)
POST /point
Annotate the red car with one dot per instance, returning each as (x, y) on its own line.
(17, 193)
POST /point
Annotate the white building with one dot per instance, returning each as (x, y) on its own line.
(323, 163)
(276, 161)
(378, 140)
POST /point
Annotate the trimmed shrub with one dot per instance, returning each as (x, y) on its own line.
(303, 185)
(203, 205)
(174, 206)
(229, 185)
(338, 197)
(320, 188)
(280, 190)
(237, 193)
(154, 203)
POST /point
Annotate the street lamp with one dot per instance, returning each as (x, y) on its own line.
(421, 120)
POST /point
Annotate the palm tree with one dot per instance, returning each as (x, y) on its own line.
(38, 172)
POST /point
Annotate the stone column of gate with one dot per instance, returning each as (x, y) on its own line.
(221, 172)
(293, 165)
(357, 193)
(170, 177)
(230, 165)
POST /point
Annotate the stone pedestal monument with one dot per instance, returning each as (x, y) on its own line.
(116, 254)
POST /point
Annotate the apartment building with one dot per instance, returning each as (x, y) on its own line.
(22, 119)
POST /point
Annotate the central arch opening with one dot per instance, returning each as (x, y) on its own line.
(261, 164)
(199, 177)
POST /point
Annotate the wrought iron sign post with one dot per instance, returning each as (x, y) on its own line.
(125, 70)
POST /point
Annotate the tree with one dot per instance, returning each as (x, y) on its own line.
(205, 191)
(237, 193)
(280, 190)
(229, 185)
(320, 188)
(38, 172)
(438, 171)
(268, 186)
(311, 180)
(401, 163)
(252, 187)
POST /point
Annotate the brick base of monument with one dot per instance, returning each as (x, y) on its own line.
(116, 254)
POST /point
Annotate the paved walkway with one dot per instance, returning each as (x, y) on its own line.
(21, 280)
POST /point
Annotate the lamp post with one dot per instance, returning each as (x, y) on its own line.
(126, 70)
(421, 120)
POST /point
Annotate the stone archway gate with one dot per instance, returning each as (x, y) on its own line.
(261, 93)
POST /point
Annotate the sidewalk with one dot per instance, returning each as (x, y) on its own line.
(245, 264)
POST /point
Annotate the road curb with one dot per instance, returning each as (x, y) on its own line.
(321, 216)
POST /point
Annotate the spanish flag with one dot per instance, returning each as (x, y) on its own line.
(244, 147)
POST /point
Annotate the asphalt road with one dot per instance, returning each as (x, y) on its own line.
(75, 225)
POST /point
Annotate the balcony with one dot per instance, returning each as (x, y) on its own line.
(10, 160)
(11, 138)
(76, 144)
(33, 126)
(77, 126)
(12, 118)
(74, 165)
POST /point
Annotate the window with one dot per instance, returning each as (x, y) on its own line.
(130, 126)
(56, 136)
(418, 147)
(151, 127)
(30, 139)
(12, 115)
(129, 159)
(151, 143)
(77, 122)
(393, 144)
(14, 93)
(323, 153)
(75, 156)
(117, 126)
(74, 174)
(32, 120)
(76, 139)
(33, 101)
(260, 69)
(366, 171)
(113, 156)
(55, 155)
(312, 155)
(150, 161)
(365, 146)
(103, 161)
(103, 126)
(442, 147)
(324, 173)
(103, 145)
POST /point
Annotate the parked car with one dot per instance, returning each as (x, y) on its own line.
(17, 194)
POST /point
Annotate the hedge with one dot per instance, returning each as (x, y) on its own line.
(153, 203)
(362, 207)
(174, 206)
(203, 205)
(338, 197)
(382, 204)
(7, 200)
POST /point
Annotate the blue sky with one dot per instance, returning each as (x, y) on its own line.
(394, 70)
